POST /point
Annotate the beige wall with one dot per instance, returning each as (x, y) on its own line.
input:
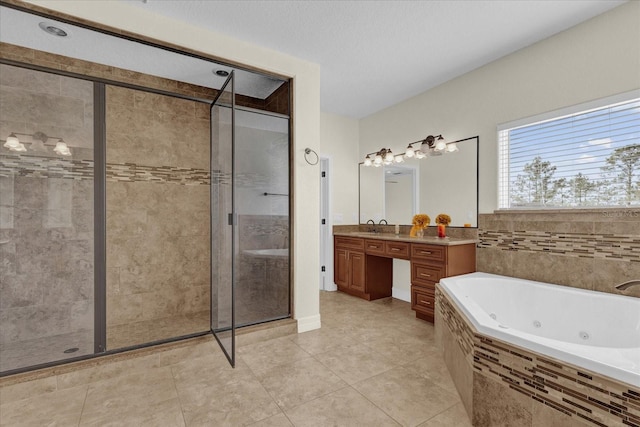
(339, 142)
(306, 121)
(598, 58)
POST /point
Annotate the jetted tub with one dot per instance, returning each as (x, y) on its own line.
(593, 330)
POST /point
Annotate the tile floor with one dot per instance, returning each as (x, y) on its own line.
(371, 364)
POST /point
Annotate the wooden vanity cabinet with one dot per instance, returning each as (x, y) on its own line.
(350, 269)
(364, 267)
(357, 271)
(429, 264)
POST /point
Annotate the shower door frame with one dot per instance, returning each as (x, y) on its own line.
(230, 353)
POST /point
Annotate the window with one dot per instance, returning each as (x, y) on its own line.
(587, 157)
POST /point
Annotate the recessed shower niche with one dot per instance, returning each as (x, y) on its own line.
(169, 218)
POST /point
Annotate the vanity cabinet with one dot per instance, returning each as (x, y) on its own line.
(350, 269)
(429, 264)
(360, 274)
(364, 267)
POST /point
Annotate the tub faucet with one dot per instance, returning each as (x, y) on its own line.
(372, 229)
(625, 285)
(385, 222)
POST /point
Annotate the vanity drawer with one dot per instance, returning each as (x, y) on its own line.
(397, 249)
(349, 243)
(425, 274)
(422, 300)
(428, 252)
(374, 247)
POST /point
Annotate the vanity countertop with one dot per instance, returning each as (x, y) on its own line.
(429, 240)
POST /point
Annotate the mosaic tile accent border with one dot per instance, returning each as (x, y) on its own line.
(45, 167)
(130, 172)
(53, 167)
(609, 246)
(593, 399)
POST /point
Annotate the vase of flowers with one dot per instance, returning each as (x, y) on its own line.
(443, 220)
(419, 223)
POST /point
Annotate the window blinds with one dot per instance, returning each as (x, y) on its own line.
(590, 158)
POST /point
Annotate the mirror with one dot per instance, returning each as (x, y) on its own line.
(446, 183)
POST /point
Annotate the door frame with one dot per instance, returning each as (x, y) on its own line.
(232, 222)
(326, 230)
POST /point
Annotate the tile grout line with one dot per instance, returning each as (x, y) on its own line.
(175, 387)
(84, 402)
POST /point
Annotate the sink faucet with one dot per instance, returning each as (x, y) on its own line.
(372, 229)
(385, 222)
(625, 285)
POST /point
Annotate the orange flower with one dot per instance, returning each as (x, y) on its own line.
(421, 221)
(443, 219)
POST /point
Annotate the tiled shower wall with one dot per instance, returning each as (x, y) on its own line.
(157, 217)
(590, 249)
(46, 219)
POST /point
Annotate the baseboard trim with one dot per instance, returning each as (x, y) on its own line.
(308, 323)
(401, 294)
(331, 287)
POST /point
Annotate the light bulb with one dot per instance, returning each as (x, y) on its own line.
(377, 165)
(13, 143)
(410, 152)
(424, 147)
(377, 160)
(62, 149)
(452, 147)
(367, 161)
(20, 147)
(441, 144)
(388, 156)
(399, 158)
(420, 154)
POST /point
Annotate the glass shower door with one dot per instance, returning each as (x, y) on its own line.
(47, 239)
(223, 224)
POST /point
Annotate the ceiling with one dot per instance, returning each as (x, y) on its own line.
(374, 54)
(22, 29)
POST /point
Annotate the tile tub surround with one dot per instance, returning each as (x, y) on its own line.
(262, 291)
(592, 249)
(502, 383)
(157, 217)
(342, 374)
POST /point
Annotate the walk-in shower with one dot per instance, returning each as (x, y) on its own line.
(123, 241)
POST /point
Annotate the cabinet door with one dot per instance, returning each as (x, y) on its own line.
(357, 269)
(341, 272)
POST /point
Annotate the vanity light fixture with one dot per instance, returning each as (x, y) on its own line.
(14, 144)
(430, 146)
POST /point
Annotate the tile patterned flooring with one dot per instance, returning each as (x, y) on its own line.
(371, 364)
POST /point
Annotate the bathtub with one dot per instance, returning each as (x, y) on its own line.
(593, 330)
